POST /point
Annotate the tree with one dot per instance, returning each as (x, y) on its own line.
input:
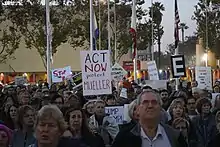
(157, 9)
(9, 38)
(187, 48)
(32, 27)
(183, 27)
(70, 23)
(210, 31)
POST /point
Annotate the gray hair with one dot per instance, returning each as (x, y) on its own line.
(52, 111)
(159, 100)
(131, 107)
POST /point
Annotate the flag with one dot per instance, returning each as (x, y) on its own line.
(176, 25)
(95, 31)
(133, 30)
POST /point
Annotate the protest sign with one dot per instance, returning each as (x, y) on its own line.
(204, 77)
(60, 74)
(96, 72)
(117, 112)
(152, 70)
(118, 72)
(20, 80)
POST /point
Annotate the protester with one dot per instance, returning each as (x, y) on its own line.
(148, 130)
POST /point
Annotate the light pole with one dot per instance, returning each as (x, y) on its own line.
(100, 25)
(115, 25)
(152, 30)
(205, 59)
(206, 30)
(109, 38)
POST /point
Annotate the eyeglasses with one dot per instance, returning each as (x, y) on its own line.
(152, 102)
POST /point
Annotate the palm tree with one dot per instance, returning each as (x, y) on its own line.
(157, 19)
(183, 27)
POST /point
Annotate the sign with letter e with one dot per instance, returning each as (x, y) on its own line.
(178, 66)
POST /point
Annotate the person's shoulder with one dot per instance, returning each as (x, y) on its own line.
(69, 142)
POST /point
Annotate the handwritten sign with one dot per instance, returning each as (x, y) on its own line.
(124, 93)
(19, 80)
(204, 77)
(60, 74)
(118, 72)
(117, 112)
(152, 70)
(96, 72)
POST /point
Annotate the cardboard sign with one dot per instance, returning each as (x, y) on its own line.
(152, 70)
(96, 72)
(117, 112)
(204, 77)
(60, 74)
(124, 93)
(178, 66)
(20, 80)
(118, 72)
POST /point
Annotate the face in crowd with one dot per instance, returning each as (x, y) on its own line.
(149, 108)
(191, 105)
(100, 108)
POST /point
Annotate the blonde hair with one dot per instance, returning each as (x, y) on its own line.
(52, 111)
(131, 108)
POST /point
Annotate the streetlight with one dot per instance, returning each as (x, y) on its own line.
(205, 59)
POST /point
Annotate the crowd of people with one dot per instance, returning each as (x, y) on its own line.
(39, 116)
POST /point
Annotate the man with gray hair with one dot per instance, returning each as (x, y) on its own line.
(149, 132)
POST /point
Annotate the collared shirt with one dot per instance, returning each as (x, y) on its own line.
(160, 139)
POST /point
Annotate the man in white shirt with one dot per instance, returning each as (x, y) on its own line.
(149, 132)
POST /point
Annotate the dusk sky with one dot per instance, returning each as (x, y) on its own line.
(186, 9)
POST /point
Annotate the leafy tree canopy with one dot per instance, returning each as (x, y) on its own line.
(70, 23)
(213, 26)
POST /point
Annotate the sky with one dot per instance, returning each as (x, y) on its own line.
(186, 9)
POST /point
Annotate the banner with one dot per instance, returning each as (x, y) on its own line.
(60, 74)
(96, 72)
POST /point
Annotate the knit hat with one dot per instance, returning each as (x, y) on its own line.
(7, 131)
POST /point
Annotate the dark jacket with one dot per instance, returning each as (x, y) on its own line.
(65, 142)
(132, 138)
(205, 130)
(93, 140)
(215, 141)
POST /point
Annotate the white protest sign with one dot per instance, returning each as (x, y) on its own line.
(214, 95)
(152, 70)
(124, 93)
(117, 112)
(126, 115)
(96, 72)
(20, 80)
(204, 77)
(60, 74)
(156, 84)
(118, 72)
